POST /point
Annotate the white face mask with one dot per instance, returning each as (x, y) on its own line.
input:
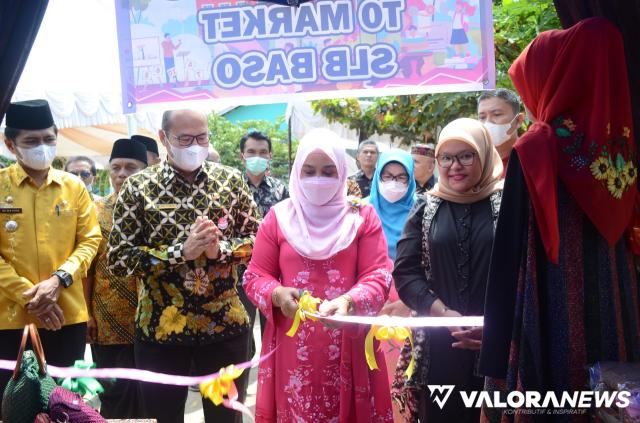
(38, 158)
(499, 132)
(190, 158)
(393, 191)
(319, 190)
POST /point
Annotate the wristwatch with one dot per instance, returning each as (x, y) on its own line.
(65, 279)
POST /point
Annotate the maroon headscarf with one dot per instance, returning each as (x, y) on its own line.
(574, 84)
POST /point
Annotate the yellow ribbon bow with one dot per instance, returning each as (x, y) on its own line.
(216, 389)
(387, 333)
(306, 304)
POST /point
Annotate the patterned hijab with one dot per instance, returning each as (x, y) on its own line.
(473, 133)
(318, 232)
(574, 84)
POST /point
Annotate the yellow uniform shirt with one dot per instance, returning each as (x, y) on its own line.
(43, 230)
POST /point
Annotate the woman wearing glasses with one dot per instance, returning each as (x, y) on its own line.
(393, 193)
(441, 269)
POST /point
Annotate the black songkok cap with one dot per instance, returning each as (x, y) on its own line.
(30, 115)
(148, 142)
(125, 148)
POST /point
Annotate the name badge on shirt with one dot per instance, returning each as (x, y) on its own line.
(167, 206)
(10, 210)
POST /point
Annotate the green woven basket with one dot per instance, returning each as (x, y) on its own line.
(28, 390)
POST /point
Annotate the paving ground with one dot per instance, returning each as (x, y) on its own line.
(193, 412)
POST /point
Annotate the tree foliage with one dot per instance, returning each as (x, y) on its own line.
(225, 137)
(418, 118)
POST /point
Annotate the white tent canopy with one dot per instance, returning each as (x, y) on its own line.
(74, 64)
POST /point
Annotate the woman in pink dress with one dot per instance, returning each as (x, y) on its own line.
(317, 241)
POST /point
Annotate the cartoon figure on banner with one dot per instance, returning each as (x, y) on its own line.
(459, 39)
(168, 47)
(415, 48)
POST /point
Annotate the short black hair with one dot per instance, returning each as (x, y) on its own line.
(507, 95)
(75, 159)
(13, 133)
(256, 135)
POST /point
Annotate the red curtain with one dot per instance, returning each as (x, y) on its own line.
(625, 14)
(19, 23)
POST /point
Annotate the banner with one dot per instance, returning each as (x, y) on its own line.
(260, 52)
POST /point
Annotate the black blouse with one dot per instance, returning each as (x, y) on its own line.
(460, 242)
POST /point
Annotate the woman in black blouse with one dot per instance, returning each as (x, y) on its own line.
(441, 269)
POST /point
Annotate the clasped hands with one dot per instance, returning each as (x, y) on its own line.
(286, 299)
(43, 303)
(204, 237)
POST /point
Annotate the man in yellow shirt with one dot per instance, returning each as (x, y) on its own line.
(49, 234)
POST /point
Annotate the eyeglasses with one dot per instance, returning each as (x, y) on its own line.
(403, 178)
(84, 174)
(188, 140)
(465, 159)
(369, 152)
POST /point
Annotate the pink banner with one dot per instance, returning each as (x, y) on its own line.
(261, 52)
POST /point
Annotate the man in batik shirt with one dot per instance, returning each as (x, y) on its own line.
(182, 227)
(255, 152)
(112, 300)
(366, 159)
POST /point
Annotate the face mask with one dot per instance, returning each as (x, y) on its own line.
(38, 158)
(256, 165)
(319, 189)
(393, 191)
(189, 158)
(499, 132)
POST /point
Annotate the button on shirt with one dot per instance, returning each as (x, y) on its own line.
(183, 302)
(44, 229)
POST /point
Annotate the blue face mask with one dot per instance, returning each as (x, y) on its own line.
(256, 165)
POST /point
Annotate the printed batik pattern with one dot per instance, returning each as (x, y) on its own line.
(181, 301)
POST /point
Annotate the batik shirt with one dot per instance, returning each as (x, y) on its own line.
(363, 182)
(268, 193)
(183, 302)
(422, 189)
(114, 299)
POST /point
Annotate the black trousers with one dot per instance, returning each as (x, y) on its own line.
(61, 347)
(166, 403)
(121, 398)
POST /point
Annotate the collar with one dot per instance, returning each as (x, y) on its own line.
(168, 172)
(364, 175)
(268, 180)
(18, 175)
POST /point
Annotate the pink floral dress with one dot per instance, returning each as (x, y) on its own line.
(320, 375)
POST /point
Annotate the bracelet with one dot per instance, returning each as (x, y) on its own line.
(349, 301)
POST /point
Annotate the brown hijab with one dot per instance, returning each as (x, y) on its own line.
(472, 132)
